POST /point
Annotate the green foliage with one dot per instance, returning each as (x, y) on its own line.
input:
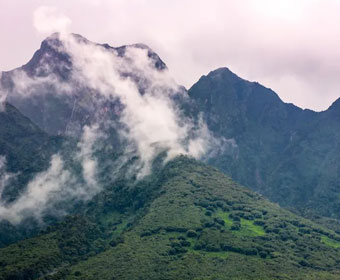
(170, 237)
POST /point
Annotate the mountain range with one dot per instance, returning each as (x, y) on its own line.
(111, 170)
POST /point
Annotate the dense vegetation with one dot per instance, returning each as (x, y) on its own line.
(188, 221)
(288, 154)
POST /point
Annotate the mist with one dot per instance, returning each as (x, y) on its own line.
(128, 93)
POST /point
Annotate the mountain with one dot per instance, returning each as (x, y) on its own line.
(49, 91)
(98, 176)
(188, 221)
(93, 107)
(288, 154)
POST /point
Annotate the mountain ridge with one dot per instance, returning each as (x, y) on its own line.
(271, 136)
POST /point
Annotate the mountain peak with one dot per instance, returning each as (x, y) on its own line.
(223, 82)
(223, 73)
(54, 52)
(335, 105)
(334, 109)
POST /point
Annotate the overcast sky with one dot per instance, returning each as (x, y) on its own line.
(291, 46)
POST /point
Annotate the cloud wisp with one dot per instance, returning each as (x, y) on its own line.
(47, 20)
(58, 184)
(5, 177)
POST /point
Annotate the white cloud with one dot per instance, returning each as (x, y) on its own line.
(57, 184)
(87, 159)
(5, 176)
(149, 121)
(40, 192)
(3, 95)
(260, 40)
(47, 20)
(153, 122)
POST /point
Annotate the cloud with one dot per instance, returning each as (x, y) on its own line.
(57, 184)
(261, 40)
(151, 119)
(3, 95)
(47, 20)
(5, 177)
(88, 161)
(43, 189)
(121, 90)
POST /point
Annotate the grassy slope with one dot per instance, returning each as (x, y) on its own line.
(197, 224)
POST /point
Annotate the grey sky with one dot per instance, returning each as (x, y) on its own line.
(291, 46)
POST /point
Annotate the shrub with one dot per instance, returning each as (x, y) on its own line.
(208, 213)
(250, 251)
(145, 233)
(234, 217)
(208, 224)
(219, 204)
(114, 242)
(219, 221)
(199, 245)
(185, 243)
(304, 263)
(236, 226)
(191, 233)
(212, 248)
(263, 254)
(259, 223)
(210, 208)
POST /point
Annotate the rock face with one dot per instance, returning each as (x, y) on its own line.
(288, 154)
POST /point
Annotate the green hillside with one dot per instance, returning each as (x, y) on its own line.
(188, 221)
